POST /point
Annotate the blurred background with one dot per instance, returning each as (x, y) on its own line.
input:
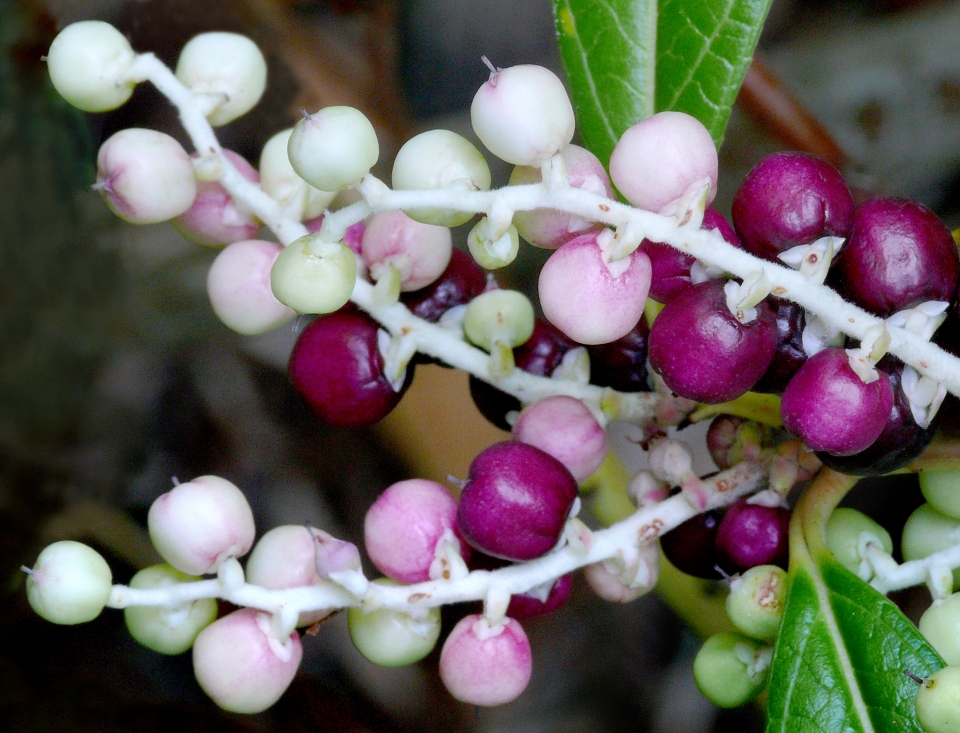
(115, 376)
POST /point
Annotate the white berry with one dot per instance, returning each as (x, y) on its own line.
(69, 584)
(88, 63)
(333, 148)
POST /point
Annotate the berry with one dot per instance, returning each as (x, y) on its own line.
(240, 666)
(723, 672)
(298, 199)
(942, 490)
(168, 629)
(927, 531)
(899, 254)
(732, 439)
(523, 115)
(515, 501)
(70, 583)
(227, 70)
(499, 317)
(314, 276)
(541, 601)
(938, 701)
(197, 525)
(461, 282)
(662, 158)
(393, 638)
(756, 599)
(145, 176)
(403, 526)
(703, 352)
(790, 199)
(830, 408)
(691, 547)
(337, 367)
(333, 148)
(940, 625)
(486, 665)
(622, 364)
(588, 297)
(420, 252)
(618, 582)
(789, 355)
(753, 534)
(490, 253)
(88, 64)
(565, 428)
(843, 533)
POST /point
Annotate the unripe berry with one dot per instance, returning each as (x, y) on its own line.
(499, 315)
(843, 533)
(756, 600)
(313, 276)
(484, 665)
(88, 64)
(723, 673)
(661, 158)
(334, 148)
(565, 428)
(167, 629)
(226, 67)
(240, 666)
(238, 284)
(145, 176)
(523, 115)
(938, 701)
(942, 490)
(298, 198)
(940, 625)
(420, 252)
(215, 219)
(928, 531)
(70, 583)
(197, 525)
(393, 638)
(436, 159)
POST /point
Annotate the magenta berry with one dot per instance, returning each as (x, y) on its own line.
(789, 199)
(830, 408)
(404, 525)
(703, 352)
(539, 603)
(337, 368)
(753, 534)
(515, 501)
(899, 254)
(486, 665)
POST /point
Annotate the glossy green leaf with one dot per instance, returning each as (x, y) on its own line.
(626, 59)
(842, 648)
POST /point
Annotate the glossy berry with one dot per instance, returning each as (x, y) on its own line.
(938, 701)
(69, 583)
(333, 148)
(336, 366)
(484, 665)
(789, 354)
(703, 352)
(899, 254)
(843, 534)
(830, 408)
(622, 364)
(721, 673)
(404, 525)
(461, 282)
(691, 547)
(753, 534)
(789, 199)
(540, 601)
(88, 63)
(515, 501)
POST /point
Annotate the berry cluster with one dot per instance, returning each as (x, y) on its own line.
(391, 292)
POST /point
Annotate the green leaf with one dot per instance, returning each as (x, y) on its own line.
(842, 648)
(626, 59)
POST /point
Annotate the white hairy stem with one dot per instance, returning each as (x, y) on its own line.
(889, 576)
(643, 526)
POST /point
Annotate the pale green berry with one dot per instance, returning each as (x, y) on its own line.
(940, 625)
(228, 69)
(436, 159)
(313, 276)
(88, 64)
(167, 629)
(844, 530)
(503, 316)
(938, 701)
(70, 583)
(298, 198)
(730, 669)
(928, 531)
(756, 599)
(492, 254)
(942, 490)
(393, 638)
(333, 148)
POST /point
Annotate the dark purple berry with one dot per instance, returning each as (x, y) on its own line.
(525, 606)
(622, 364)
(703, 352)
(752, 534)
(691, 547)
(515, 501)
(831, 409)
(461, 282)
(789, 199)
(540, 355)
(338, 369)
(899, 254)
(901, 441)
(789, 354)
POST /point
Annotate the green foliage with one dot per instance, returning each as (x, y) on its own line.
(626, 59)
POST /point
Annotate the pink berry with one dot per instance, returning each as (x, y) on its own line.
(240, 666)
(404, 525)
(592, 300)
(565, 428)
(480, 665)
(215, 219)
(421, 252)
